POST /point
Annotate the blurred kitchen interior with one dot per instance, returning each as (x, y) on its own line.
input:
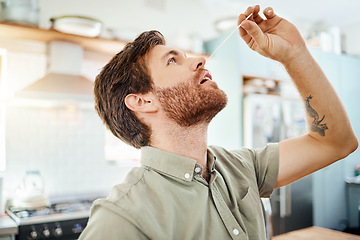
(54, 146)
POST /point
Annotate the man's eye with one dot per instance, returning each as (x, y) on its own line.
(171, 60)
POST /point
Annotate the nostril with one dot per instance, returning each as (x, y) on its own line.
(199, 65)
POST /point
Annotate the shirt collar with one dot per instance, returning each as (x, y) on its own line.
(173, 164)
(211, 158)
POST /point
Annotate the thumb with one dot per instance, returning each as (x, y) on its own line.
(255, 33)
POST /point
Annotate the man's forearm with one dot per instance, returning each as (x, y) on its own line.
(326, 117)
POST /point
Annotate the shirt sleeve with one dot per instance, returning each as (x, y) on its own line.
(266, 164)
(105, 224)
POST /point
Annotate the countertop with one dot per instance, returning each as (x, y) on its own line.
(7, 226)
(316, 233)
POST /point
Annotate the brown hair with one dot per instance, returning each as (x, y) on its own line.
(126, 73)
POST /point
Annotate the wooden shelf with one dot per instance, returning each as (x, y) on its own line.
(97, 44)
(13, 31)
(260, 85)
(248, 77)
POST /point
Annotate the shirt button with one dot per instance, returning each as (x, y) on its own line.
(187, 175)
(197, 169)
(236, 232)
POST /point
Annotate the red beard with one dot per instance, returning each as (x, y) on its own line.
(190, 103)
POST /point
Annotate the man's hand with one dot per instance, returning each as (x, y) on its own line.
(273, 37)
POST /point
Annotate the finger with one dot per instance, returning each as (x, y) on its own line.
(242, 17)
(249, 10)
(256, 17)
(244, 35)
(271, 19)
(256, 10)
(269, 13)
(254, 32)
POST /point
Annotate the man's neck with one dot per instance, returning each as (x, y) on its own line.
(189, 142)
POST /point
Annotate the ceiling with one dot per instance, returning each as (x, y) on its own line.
(332, 12)
(191, 19)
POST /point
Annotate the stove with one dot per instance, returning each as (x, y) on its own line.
(62, 220)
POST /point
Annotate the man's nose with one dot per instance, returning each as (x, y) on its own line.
(199, 62)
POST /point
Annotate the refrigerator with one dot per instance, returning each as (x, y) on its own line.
(272, 118)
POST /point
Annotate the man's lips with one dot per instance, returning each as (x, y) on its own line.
(206, 77)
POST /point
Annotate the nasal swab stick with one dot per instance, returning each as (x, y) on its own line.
(228, 37)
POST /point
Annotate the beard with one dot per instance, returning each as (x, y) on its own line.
(190, 104)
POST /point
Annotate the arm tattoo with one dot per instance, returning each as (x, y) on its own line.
(316, 125)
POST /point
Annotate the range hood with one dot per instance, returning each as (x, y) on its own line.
(63, 81)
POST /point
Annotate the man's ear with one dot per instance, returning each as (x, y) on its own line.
(140, 103)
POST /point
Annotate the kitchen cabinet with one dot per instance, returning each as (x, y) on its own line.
(350, 79)
(353, 201)
(350, 87)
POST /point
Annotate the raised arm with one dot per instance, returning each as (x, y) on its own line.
(330, 136)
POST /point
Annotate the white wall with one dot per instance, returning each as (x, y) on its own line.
(65, 143)
(128, 19)
(66, 146)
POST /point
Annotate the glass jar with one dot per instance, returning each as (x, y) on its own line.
(20, 11)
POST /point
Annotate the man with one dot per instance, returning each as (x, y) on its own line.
(156, 98)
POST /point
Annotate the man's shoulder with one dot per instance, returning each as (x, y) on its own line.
(120, 192)
(242, 152)
(122, 195)
(221, 153)
(140, 185)
(244, 157)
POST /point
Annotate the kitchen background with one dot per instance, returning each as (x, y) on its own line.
(67, 143)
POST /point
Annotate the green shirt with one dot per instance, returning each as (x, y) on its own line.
(167, 197)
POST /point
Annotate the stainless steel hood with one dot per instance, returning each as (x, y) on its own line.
(64, 81)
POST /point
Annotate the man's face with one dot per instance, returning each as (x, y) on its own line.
(184, 88)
